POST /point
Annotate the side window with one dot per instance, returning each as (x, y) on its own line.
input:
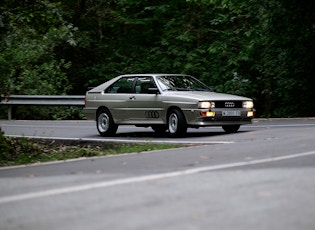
(123, 85)
(143, 84)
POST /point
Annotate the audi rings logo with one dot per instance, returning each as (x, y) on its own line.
(152, 114)
(229, 104)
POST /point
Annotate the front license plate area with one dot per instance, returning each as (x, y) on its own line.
(231, 113)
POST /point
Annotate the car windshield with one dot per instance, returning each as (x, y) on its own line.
(181, 83)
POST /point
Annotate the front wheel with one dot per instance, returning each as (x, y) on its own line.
(231, 128)
(177, 125)
(105, 123)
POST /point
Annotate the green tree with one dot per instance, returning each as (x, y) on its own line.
(261, 49)
(30, 32)
(265, 49)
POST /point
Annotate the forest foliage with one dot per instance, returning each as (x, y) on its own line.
(260, 49)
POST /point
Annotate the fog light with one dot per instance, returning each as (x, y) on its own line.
(207, 114)
(250, 113)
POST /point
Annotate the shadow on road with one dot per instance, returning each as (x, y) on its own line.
(152, 134)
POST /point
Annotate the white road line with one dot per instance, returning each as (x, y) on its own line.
(134, 140)
(53, 192)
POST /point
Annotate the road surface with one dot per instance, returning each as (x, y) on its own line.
(260, 178)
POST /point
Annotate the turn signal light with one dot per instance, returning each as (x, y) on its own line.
(207, 114)
(250, 113)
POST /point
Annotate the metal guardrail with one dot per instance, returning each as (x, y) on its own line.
(40, 100)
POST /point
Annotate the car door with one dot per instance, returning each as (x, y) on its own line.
(118, 97)
(146, 105)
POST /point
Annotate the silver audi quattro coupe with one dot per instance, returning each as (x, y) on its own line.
(164, 102)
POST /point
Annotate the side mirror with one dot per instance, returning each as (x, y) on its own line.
(153, 91)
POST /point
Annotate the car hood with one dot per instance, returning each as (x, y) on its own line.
(204, 96)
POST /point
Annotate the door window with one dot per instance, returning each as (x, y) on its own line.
(143, 84)
(123, 85)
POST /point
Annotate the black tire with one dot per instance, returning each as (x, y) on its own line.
(105, 124)
(159, 129)
(231, 128)
(177, 125)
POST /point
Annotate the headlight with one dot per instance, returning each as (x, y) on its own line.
(248, 104)
(206, 105)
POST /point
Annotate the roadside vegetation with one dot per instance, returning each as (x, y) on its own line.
(260, 49)
(20, 151)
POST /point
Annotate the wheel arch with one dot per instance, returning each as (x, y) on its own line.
(171, 108)
(104, 122)
(177, 124)
(99, 109)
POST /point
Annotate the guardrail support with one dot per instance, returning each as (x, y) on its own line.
(10, 112)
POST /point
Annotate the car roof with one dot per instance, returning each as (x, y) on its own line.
(107, 83)
(152, 74)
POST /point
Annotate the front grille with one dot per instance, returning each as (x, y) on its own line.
(229, 104)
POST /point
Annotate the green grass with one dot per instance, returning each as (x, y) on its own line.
(19, 151)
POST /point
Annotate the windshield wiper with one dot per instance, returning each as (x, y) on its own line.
(177, 89)
(188, 89)
(200, 89)
(182, 89)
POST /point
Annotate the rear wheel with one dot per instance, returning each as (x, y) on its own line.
(177, 125)
(105, 123)
(231, 128)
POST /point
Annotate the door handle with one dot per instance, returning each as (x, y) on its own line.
(132, 98)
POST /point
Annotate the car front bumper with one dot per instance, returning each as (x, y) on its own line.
(218, 117)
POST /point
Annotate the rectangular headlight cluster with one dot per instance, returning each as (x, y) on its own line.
(206, 105)
(248, 104)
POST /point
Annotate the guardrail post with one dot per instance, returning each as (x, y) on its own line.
(10, 112)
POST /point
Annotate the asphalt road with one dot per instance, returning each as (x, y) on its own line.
(86, 130)
(260, 178)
